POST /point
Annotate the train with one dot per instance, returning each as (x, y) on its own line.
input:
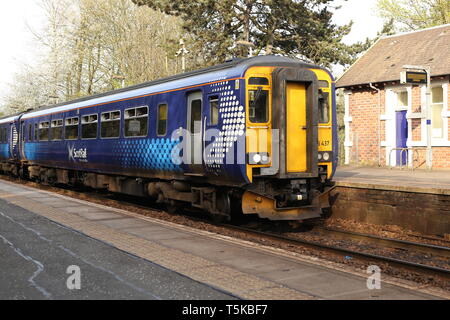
(254, 136)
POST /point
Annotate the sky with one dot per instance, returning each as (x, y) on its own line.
(18, 16)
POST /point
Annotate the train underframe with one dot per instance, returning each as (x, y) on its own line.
(274, 199)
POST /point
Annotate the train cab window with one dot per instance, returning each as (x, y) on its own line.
(324, 107)
(71, 132)
(258, 105)
(57, 129)
(44, 129)
(136, 122)
(214, 110)
(89, 126)
(258, 81)
(162, 119)
(30, 132)
(110, 124)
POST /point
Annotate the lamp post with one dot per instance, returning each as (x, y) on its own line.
(410, 75)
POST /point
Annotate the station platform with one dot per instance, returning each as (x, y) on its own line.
(414, 200)
(419, 180)
(201, 264)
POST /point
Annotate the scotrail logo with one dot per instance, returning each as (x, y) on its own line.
(77, 154)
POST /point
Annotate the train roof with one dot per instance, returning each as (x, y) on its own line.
(229, 69)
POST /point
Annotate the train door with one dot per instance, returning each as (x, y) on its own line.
(296, 129)
(13, 140)
(21, 140)
(194, 126)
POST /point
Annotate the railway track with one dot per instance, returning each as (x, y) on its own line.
(412, 266)
(419, 268)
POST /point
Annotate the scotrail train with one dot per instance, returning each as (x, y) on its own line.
(254, 136)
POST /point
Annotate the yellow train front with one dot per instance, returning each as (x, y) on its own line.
(291, 141)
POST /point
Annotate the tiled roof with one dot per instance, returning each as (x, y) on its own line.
(385, 59)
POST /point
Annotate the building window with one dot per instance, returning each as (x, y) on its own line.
(57, 129)
(71, 132)
(437, 105)
(136, 122)
(402, 99)
(89, 126)
(110, 125)
(44, 129)
(162, 120)
(214, 110)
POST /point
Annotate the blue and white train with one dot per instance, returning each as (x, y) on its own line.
(254, 136)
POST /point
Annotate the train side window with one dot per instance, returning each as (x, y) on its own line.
(136, 122)
(1, 135)
(259, 105)
(89, 125)
(57, 129)
(5, 134)
(36, 132)
(44, 129)
(324, 107)
(71, 132)
(110, 124)
(214, 110)
(162, 120)
(30, 132)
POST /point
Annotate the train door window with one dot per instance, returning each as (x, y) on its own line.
(1, 135)
(196, 116)
(214, 110)
(110, 124)
(44, 129)
(36, 132)
(89, 125)
(30, 132)
(162, 119)
(5, 134)
(71, 132)
(22, 131)
(258, 105)
(324, 107)
(57, 129)
(136, 122)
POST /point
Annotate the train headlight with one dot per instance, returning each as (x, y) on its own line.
(325, 156)
(257, 158)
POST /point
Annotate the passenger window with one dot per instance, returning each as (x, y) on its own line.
(44, 129)
(324, 107)
(89, 126)
(162, 120)
(259, 105)
(57, 129)
(1, 135)
(71, 132)
(214, 110)
(136, 122)
(110, 125)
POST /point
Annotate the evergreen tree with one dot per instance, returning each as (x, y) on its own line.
(298, 28)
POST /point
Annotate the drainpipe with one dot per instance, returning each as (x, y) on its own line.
(379, 122)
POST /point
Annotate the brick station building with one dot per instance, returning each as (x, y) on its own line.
(382, 115)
